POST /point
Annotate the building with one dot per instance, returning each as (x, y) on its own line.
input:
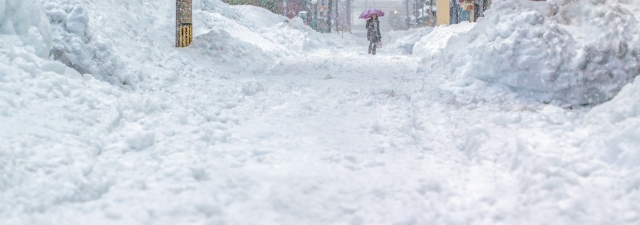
(456, 11)
(426, 14)
(328, 15)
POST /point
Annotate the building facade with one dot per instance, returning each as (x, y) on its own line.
(456, 11)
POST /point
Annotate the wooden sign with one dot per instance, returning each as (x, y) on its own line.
(184, 27)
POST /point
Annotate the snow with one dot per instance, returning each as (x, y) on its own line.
(431, 45)
(552, 51)
(405, 41)
(24, 26)
(264, 121)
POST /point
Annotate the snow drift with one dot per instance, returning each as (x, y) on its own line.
(552, 51)
(614, 132)
(188, 136)
(432, 44)
(56, 120)
(25, 42)
(93, 37)
(248, 36)
(23, 25)
(403, 41)
(76, 46)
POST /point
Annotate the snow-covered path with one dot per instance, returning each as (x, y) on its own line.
(333, 136)
(265, 122)
(339, 136)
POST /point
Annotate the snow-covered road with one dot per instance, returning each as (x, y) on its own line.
(333, 136)
(266, 122)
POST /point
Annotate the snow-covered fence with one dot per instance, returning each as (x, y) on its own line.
(184, 27)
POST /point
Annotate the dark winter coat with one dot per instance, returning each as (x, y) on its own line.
(373, 30)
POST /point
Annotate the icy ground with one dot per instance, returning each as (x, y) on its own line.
(308, 131)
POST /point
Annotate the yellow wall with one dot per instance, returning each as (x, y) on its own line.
(443, 13)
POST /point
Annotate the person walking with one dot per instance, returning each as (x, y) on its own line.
(373, 33)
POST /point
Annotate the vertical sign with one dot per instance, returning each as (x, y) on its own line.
(184, 28)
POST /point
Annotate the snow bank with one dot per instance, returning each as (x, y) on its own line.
(28, 80)
(240, 25)
(225, 48)
(120, 41)
(432, 44)
(403, 41)
(76, 46)
(246, 37)
(615, 130)
(25, 41)
(551, 51)
(320, 143)
(23, 25)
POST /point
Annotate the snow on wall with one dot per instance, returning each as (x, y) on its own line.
(552, 51)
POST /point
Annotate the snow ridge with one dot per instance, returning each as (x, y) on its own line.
(76, 46)
(551, 51)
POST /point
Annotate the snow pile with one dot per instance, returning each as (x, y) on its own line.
(25, 41)
(403, 41)
(76, 46)
(245, 36)
(30, 85)
(432, 44)
(331, 136)
(552, 51)
(23, 25)
(93, 37)
(615, 130)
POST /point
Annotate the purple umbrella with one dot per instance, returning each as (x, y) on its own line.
(367, 13)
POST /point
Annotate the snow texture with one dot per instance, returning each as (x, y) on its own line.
(22, 25)
(263, 121)
(404, 41)
(552, 51)
(76, 46)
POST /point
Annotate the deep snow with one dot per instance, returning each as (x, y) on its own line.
(290, 126)
(564, 52)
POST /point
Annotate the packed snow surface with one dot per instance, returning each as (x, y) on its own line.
(264, 121)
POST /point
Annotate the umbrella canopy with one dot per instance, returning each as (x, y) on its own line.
(367, 13)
